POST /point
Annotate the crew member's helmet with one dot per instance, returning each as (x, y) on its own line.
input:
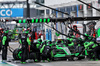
(74, 26)
(39, 40)
(6, 31)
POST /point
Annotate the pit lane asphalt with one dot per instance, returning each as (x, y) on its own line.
(84, 62)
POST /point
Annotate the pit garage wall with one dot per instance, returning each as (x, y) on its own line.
(96, 13)
(48, 31)
(54, 2)
(86, 11)
(73, 10)
(80, 12)
(33, 12)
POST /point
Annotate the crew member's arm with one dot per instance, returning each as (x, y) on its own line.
(98, 32)
(4, 39)
(29, 43)
(95, 45)
(37, 45)
(71, 39)
(72, 44)
(86, 46)
(41, 50)
(20, 41)
(78, 34)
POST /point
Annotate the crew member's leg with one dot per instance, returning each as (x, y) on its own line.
(23, 56)
(0, 47)
(4, 53)
(90, 55)
(96, 50)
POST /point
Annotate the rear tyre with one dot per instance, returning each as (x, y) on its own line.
(15, 54)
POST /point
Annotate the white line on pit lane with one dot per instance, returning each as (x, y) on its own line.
(10, 63)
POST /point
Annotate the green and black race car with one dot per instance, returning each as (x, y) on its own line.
(61, 51)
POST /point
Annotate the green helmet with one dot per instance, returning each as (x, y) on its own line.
(86, 34)
(39, 40)
(47, 44)
(6, 31)
(80, 39)
(57, 34)
(48, 40)
(26, 32)
(68, 38)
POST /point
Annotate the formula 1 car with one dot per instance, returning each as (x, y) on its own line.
(62, 52)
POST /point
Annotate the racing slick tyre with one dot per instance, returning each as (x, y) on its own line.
(32, 56)
(17, 54)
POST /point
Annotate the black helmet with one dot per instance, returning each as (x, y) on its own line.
(49, 42)
(45, 42)
(67, 41)
(91, 25)
(59, 41)
(75, 40)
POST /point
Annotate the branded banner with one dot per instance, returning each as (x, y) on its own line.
(11, 12)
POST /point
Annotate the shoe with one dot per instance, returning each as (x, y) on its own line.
(96, 60)
(48, 59)
(91, 59)
(4, 61)
(21, 62)
(36, 60)
(43, 60)
(24, 62)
